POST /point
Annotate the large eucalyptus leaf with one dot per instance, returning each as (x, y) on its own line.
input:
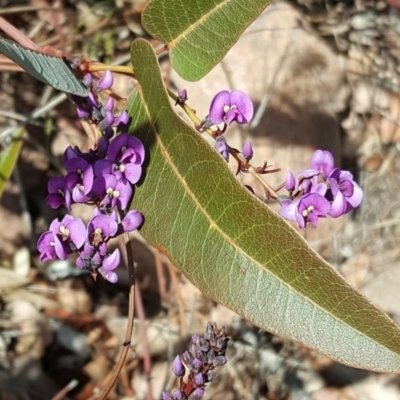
(198, 33)
(8, 158)
(235, 249)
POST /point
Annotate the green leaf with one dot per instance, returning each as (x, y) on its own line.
(9, 157)
(199, 33)
(236, 250)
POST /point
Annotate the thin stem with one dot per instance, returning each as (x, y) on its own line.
(129, 326)
(97, 67)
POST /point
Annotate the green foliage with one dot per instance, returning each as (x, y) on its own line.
(235, 249)
(199, 33)
(9, 157)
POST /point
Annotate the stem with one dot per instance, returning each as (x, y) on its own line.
(96, 67)
(129, 326)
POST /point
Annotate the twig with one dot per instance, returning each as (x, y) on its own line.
(181, 306)
(129, 326)
(145, 342)
(61, 394)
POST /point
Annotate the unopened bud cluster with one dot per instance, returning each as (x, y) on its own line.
(197, 363)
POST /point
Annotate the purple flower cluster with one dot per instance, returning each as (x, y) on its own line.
(319, 191)
(91, 109)
(102, 178)
(228, 107)
(204, 355)
(70, 236)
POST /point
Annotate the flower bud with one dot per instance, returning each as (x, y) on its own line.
(222, 147)
(197, 394)
(247, 150)
(199, 379)
(106, 81)
(177, 367)
(182, 96)
(290, 182)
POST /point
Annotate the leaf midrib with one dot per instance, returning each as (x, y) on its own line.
(199, 22)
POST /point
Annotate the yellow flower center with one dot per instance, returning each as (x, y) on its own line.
(308, 211)
(64, 231)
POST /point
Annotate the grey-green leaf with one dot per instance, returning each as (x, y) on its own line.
(199, 33)
(8, 158)
(236, 250)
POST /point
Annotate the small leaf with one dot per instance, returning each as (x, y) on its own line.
(199, 33)
(236, 250)
(9, 157)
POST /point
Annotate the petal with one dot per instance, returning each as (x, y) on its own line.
(114, 149)
(112, 261)
(59, 248)
(132, 172)
(55, 200)
(356, 199)
(46, 249)
(244, 105)
(122, 119)
(111, 276)
(132, 220)
(233, 115)
(76, 164)
(218, 103)
(137, 145)
(77, 232)
(106, 81)
(125, 194)
(87, 179)
(107, 224)
(347, 188)
(55, 184)
(289, 209)
(78, 196)
(323, 162)
(318, 188)
(338, 206)
(109, 106)
(102, 167)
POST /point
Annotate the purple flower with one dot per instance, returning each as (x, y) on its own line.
(59, 194)
(222, 147)
(64, 237)
(308, 208)
(109, 264)
(311, 207)
(125, 156)
(101, 228)
(124, 142)
(113, 192)
(346, 193)
(46, 246)
(231, 106)
(79, 173)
